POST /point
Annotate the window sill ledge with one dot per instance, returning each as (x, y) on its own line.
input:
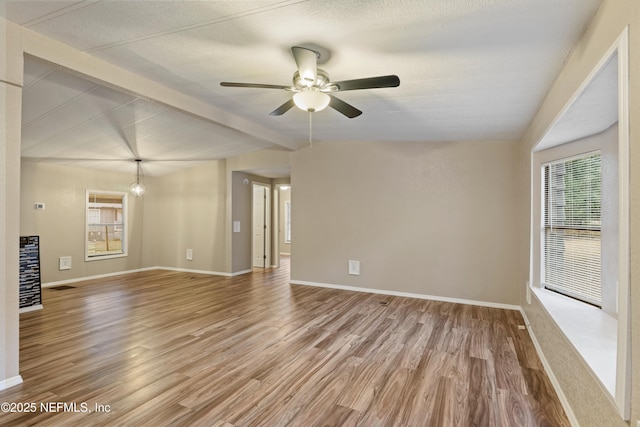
(594, 336)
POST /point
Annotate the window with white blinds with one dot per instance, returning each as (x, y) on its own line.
(572, 209)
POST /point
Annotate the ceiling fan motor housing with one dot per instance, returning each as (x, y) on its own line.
(322, 81)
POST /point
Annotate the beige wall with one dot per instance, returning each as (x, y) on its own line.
(61, 225)
(188, 212)
(180, 211)
(426, 218)
(590, 403)
(10, 120)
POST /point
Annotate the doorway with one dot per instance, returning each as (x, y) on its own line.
(281, 223)
(261, 225)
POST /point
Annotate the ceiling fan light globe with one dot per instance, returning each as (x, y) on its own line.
(311, 100)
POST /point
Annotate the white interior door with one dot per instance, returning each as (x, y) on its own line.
(261, 225)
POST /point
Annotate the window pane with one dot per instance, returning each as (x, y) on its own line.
(572, 228)
(105, 227)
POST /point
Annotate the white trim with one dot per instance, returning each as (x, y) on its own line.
(267, 234)
(138, 270)
(285, 253)
(32, 308)
(547, 367)
(98, 276)
(211, 273)
(10, 382)
(407, 295)
(193, 270)
(237, 273)
(623, 362)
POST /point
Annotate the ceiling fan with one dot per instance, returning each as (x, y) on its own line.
(313, 90)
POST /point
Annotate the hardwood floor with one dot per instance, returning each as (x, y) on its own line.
(166, 348)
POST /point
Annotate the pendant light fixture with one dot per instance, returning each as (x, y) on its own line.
(137, 188)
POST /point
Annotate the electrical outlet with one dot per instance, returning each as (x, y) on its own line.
(190, 254)
(354, 268)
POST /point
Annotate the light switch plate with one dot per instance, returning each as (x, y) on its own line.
(190, 254)
(236, 226)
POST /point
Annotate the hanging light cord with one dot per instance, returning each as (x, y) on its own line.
(310, 130)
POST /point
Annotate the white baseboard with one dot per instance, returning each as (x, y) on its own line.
(10, 382)
(118, 273)
(191, 270)
(32, 308)
(209, 272)
(554, 381)
(98, 276)
(238, 273)
(407, 295)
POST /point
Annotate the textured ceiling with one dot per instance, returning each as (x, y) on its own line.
(469, 69)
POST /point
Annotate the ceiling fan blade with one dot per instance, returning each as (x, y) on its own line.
(307, 62)
(368, 83)
(344, 108)
(254, 85)
(283, 108)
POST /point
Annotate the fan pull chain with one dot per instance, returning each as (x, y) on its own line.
(310, 130)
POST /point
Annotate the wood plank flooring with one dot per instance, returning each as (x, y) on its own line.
(166, 348)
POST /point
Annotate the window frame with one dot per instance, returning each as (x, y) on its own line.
(620, 353)
(564, 290)
(123, 225)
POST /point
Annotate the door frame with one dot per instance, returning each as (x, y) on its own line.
(267, 223)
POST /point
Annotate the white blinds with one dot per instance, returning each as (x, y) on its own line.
(572, 227)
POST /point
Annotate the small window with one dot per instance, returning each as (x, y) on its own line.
(105, 236)
(572, 228)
